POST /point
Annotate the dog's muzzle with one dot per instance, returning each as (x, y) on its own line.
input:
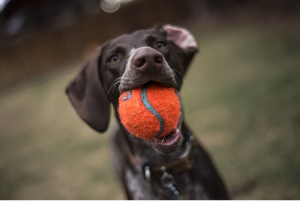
(146, 64)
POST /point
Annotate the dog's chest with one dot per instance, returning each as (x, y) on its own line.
(140, 189)
(137, 187)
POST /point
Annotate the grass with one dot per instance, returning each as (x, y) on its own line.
(241, 97)
(246, 110)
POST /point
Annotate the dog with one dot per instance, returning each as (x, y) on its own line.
(174, 168)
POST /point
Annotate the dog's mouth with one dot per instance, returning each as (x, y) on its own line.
(160, 83)
(168, 140)
(169, 143)
(172, 141)
(124, 86)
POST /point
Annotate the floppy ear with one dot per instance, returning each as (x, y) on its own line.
(183, 39)
(88, 97)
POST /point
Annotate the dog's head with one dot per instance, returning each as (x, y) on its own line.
(161, 54)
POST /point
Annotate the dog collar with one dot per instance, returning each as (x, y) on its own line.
(164, 173)
(184, 162)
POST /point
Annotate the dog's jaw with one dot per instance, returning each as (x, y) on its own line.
(161, 148)
(132, 79)
(165, 149)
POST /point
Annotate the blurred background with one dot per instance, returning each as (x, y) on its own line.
(241, 94)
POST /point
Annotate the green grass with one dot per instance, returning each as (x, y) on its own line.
(246, 110)
(241, 97)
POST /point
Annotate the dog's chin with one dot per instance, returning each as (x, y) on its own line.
(168, 144)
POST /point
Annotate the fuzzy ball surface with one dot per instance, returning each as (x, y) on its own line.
(151, 111)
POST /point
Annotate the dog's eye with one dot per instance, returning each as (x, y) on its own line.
(114, 59)
(160, 45)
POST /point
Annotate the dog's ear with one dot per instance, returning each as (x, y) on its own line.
(88, 97)
(181, 38)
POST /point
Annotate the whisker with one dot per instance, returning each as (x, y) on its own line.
(177, 82)
(176, 76)
(176, 79)
(115, 87)
(173, 70)
(116, 81)
(112, 87)
(177, 72)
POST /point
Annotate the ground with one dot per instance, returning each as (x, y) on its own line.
(241, 97)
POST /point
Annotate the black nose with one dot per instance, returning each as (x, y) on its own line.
(147, 60)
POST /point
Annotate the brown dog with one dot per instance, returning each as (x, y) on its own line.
(176, 168)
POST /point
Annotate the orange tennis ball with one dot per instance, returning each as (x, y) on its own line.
(151, 111)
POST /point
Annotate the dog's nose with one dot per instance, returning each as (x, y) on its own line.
(147, 60)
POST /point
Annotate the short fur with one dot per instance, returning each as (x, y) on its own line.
(92, 91)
